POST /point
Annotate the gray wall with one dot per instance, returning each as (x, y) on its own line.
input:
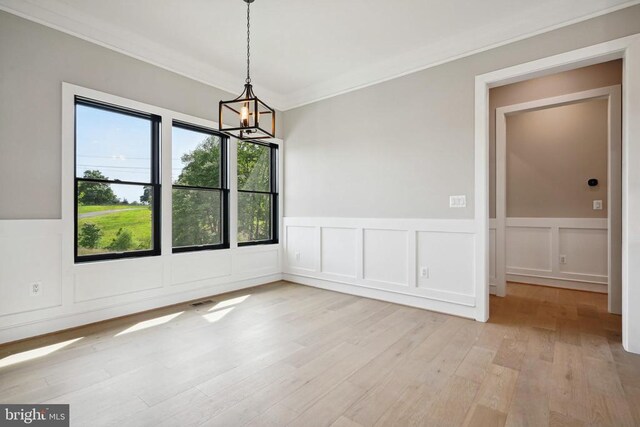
(34, 61)
(581, 79)
(551, 153)
(400, 148)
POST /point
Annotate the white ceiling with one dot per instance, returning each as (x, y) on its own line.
(303, 51)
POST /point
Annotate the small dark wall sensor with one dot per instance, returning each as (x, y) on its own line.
(592, 182)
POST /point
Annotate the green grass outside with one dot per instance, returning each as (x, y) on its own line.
(137, 221)
(97, 208)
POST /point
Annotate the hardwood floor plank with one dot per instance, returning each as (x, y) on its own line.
(510, 354)
(482, 416)
(561, 420)
(569, 394)
(475, 365)
(453, 402)
(530, 403)
(497, 390)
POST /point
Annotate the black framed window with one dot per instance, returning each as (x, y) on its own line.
(257, 193)
(200, 188)
(117, 182)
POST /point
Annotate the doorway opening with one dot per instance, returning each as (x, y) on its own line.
(556, 191)
(627, 49)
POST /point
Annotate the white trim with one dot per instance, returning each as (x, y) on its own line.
(557, 283)
(614, 142)
(629, 49)
(64, 18)
(86, 28)
(400, 224)
(433, 304)
(70, 91)
(597, 223)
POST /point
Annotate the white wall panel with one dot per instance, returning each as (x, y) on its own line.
(386, 256)
(111, 278)
(27, 259)
(301, 244)
(449, 258)
(529, 248)
(585, 249)
(32, 251)
(378, 258)
(253, 262)
(201, 265)
(338, 247)
(492, 253)
(534, 247)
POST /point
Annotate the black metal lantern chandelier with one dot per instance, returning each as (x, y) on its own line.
(247, 117)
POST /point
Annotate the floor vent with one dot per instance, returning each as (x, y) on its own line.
(199, 303)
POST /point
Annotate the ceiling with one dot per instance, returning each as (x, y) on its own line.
(303, 51)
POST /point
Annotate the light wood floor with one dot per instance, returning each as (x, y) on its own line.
(286, 354)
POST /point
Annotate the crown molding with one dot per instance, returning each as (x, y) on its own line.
(57, 15)
(415, 61)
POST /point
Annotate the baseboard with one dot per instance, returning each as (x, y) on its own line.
(383, 295)
(74, 320)
(558, 283)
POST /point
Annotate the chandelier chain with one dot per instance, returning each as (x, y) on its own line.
(248, 79)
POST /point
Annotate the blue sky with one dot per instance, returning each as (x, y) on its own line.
(119, 146)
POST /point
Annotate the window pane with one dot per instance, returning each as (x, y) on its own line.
(196, 158)
(254, 166)
(111, 145)
(254, 217)
(197, 217)
(114, 218)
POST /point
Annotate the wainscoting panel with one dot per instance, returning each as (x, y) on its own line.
(302, 243)
(252, 261)
(76, 294)
(529, 248)
(585, 251)
(492, 254)
(200, 265)
(443, 261)
(385, 256)
(36, 250)
(112, 278)
(382, 259)
(339, 251)
(565, 252)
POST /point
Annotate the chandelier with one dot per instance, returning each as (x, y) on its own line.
(247, 117)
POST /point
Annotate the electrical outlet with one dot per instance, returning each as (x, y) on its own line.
(563, 259)
(35, 289)
(597, 205)
(298, 256)
(424, 272)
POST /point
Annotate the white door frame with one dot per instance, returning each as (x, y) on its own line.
(627, 48)
(614, 185)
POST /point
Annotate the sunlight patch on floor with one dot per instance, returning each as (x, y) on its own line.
(146, 324)
(217, 315)
(35, 353)
(229, 302)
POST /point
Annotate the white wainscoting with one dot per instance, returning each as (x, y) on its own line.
(32, 251)
(385, 259)
(534, 247)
